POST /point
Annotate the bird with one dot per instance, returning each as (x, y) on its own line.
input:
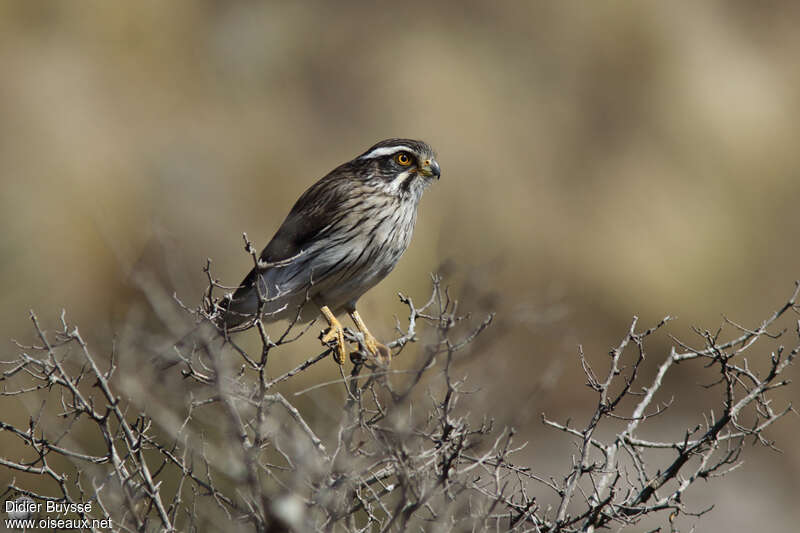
(344, 234)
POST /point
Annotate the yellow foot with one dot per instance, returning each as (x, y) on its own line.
(380, 351)
(334, 333)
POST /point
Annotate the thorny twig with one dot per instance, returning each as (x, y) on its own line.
(397, 451)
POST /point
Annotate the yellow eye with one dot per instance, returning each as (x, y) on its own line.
(403, 159)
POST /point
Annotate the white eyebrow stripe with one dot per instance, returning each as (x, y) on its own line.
(386, 150)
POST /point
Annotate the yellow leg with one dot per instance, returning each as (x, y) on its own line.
(335, 332)
(381, 351)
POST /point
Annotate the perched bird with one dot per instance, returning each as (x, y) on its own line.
(343, 236)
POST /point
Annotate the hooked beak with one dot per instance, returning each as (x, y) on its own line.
(430, 168)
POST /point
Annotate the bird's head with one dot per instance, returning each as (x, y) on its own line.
(402, 165)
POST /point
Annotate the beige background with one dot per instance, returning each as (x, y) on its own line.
(599, 160)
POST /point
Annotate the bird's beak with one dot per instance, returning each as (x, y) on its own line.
(430, 168)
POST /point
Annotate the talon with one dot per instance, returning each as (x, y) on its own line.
(334, 333)
(380, 351)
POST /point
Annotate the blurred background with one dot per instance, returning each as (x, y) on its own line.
(598, 161)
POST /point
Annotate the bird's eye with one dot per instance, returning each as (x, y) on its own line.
(403, 159)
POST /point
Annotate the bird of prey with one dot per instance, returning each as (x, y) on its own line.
(343, 236)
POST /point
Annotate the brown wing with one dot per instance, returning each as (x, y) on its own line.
(314, 211)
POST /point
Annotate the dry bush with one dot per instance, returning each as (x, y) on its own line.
(227, 451)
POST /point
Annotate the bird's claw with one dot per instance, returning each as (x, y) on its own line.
(335, 333)
(377, 349)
